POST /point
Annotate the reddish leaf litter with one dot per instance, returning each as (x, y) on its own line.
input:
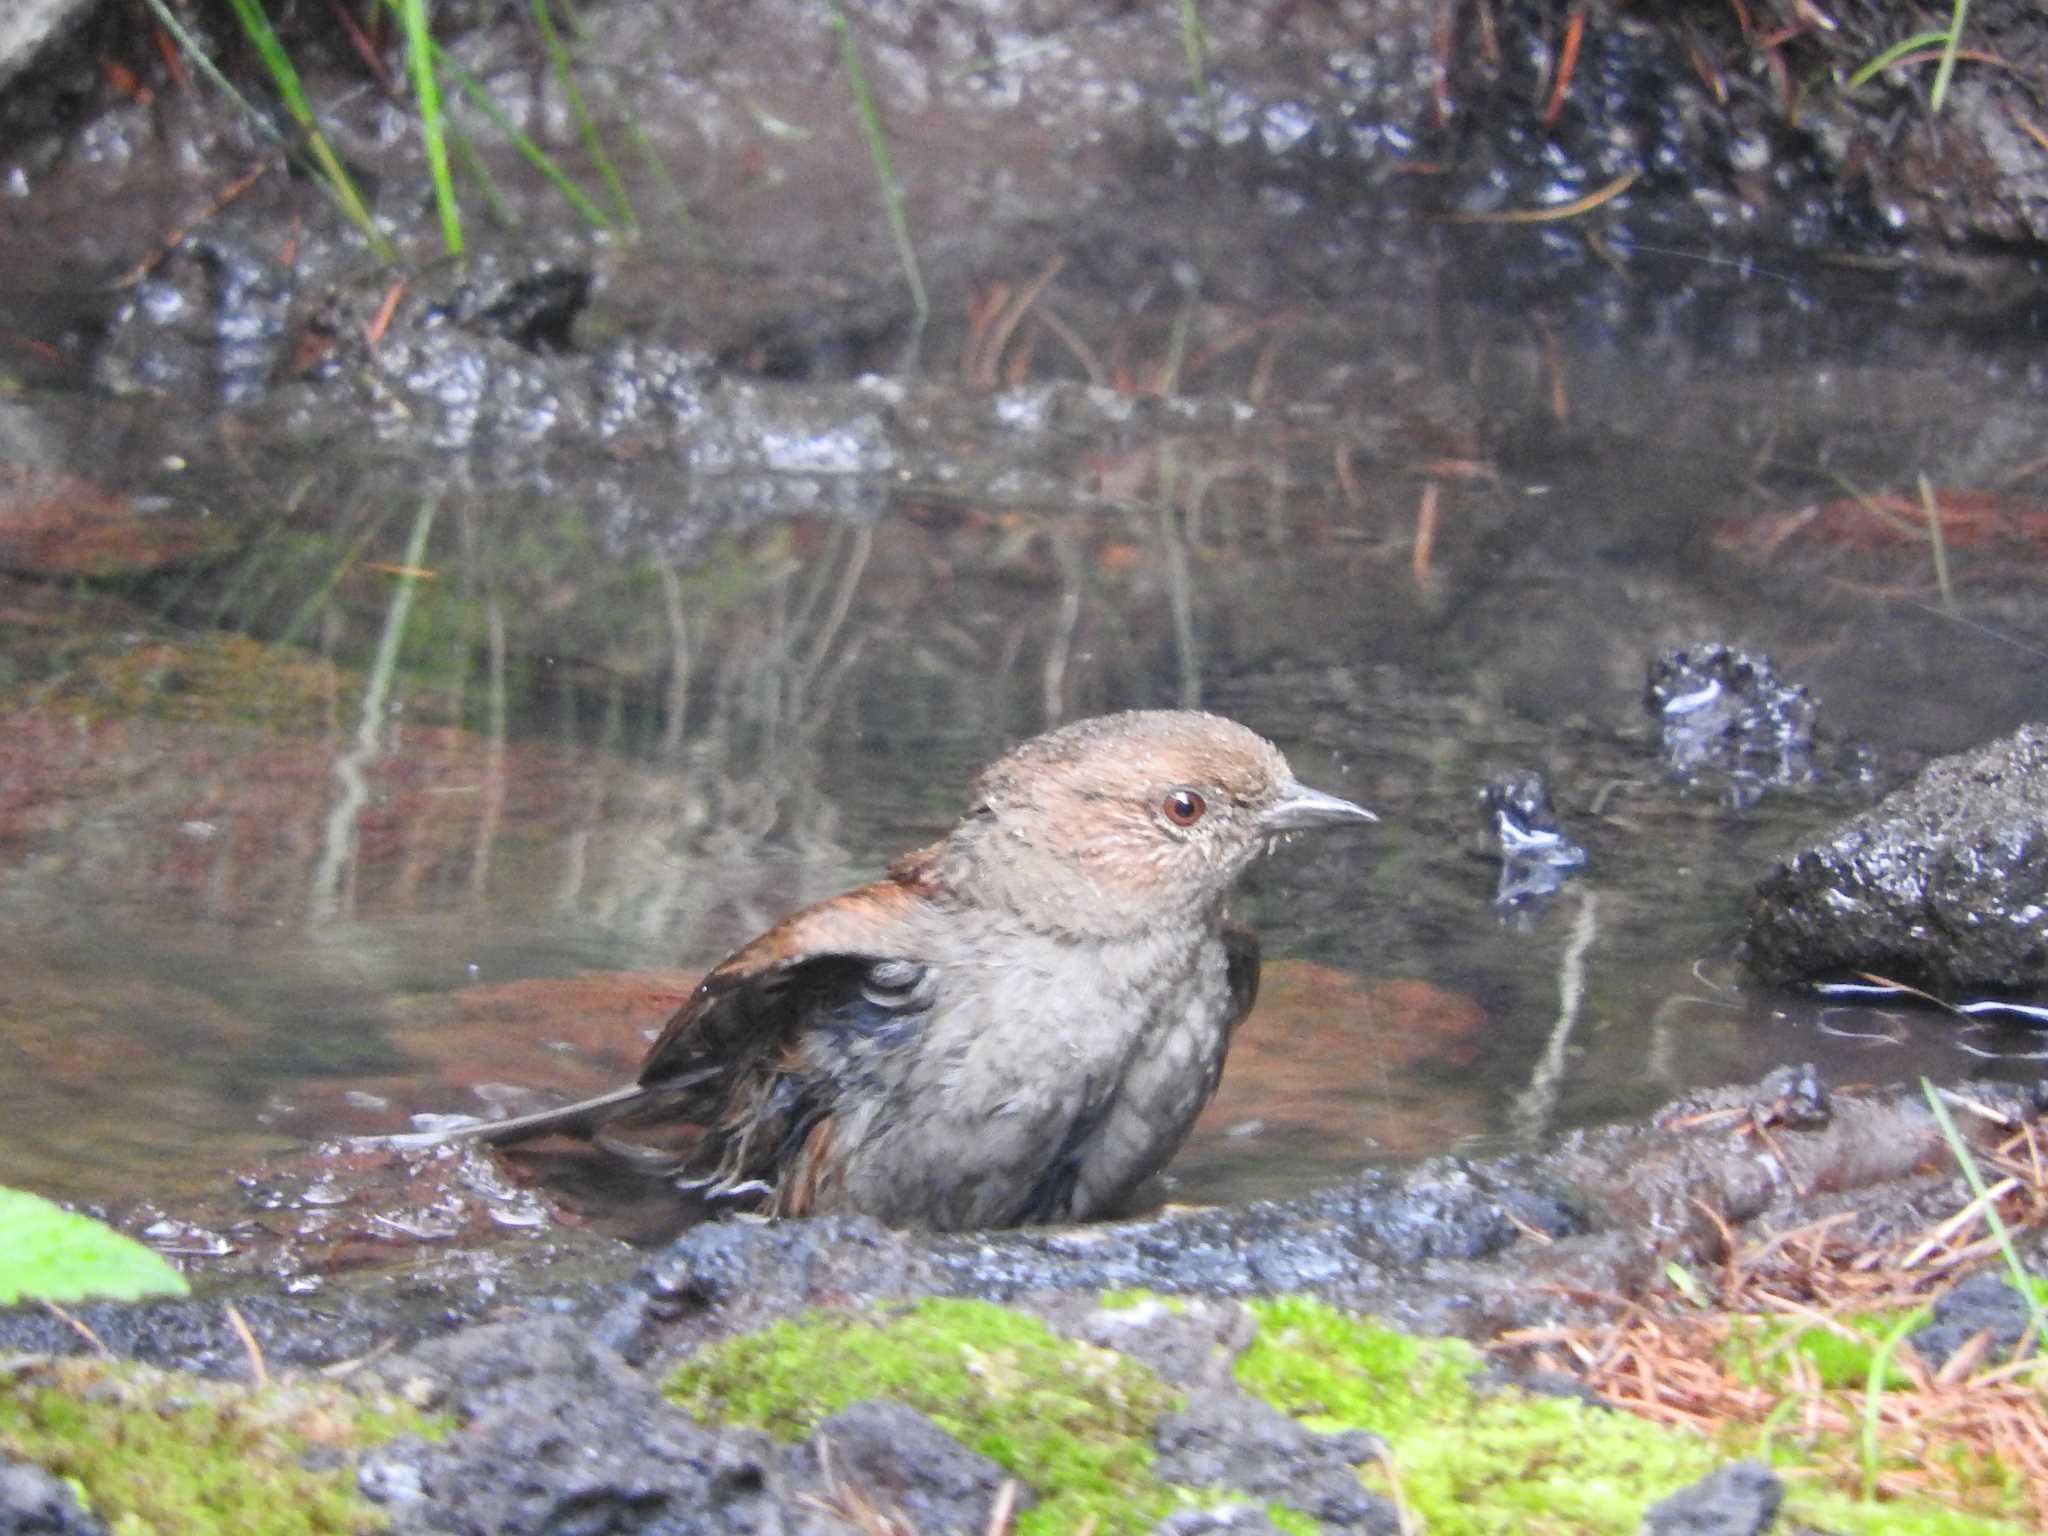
(1965, 1433)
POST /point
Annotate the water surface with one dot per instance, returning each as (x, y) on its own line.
(425, 723)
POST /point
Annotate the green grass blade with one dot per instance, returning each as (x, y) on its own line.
(285, 75)
(2021, 1280)
(473, 164)
(326, 166)
(426, 85)
(1195, 41)
(878, 154)
(168, 19)
(674, 205)
(1896, 52)
(1947, 66)
(1873, 1397)
(538, 158)
(586, 126)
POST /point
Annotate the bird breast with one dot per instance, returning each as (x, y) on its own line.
(1050, 1077)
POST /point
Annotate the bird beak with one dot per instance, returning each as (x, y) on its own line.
(1300, 808)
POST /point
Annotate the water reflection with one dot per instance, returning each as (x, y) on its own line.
(437, 726)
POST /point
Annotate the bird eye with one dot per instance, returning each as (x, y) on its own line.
(1183, 807)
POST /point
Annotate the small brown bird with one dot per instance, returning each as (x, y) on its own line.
(1018, 1023)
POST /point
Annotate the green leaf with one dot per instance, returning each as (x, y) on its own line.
(50, 1254)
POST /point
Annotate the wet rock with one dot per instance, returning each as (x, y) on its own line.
(892, 1458)
(1228, 1439)
(34, 1503)
(1354, 1236)
(339, 1318)
(1943, 884)
(28, 26)
(1523, 828)
(208, 324)
(1740, 1499)
(196, 1336)
(481, 349)
(744, 1270)
(1727, 716)
(1794, 1096)
(534, 309)
(1985, 1303)
(1220, 1520)
(557, 1435)
(1190, 1343)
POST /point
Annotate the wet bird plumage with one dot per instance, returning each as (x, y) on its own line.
(1017, 1023)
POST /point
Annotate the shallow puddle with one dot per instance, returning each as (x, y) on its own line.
(287, 834)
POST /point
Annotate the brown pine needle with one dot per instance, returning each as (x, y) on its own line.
(1570, 210)
(1966, 1434)
(1084, 354)
(258, 1372)
(78, 1326)
(183, 232)
(1567, 61)
(1425, 531)
(381, 321)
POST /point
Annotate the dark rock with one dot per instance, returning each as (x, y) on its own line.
(208, 323)
(1228, 1439)
(1726, 716)
(1793, 1096)
(1984, 1303)
(192, 1334)
(1740, 1499)
(1189, 1342)
(33, 26)
(746, 1272)
(892, 1458)
(1523, 831)
(34, 1503)
(533, 308)
(1219, 1520)
(1944, 884)
(560, 1436)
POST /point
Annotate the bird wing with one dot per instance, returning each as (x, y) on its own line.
(762, 1048)
(1240, 970)
(759, 995)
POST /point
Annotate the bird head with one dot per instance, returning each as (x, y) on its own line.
(1119, 822)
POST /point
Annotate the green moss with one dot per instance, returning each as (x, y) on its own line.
(1334, 1370)
(1076, 1423)
(1073, 1421)
(1292, 1521)
(1759, 1352)
(1474, 1461)
(1757, 1349)
(1821, 1509)
(165, 1454)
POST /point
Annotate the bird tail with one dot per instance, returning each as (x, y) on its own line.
(579, 1119)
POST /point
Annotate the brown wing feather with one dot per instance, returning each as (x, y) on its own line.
(734, 1057)
(732, 1015)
